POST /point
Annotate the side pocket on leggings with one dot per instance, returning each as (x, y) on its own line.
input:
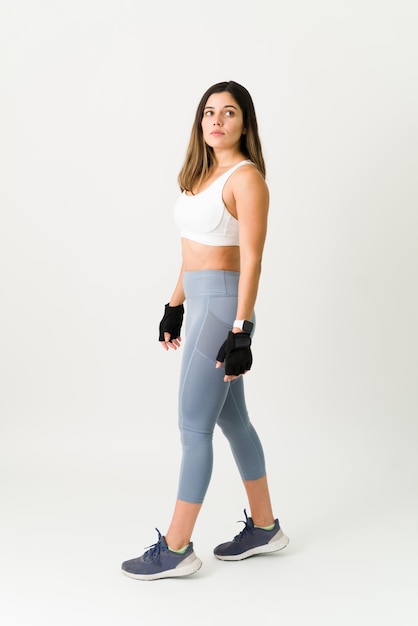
(213, 334)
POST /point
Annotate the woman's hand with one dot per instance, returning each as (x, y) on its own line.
(169, 343)
(228, 377)
(170, 327)
(236, 353)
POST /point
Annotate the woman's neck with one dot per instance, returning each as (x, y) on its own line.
(225, 159)
(217, 167)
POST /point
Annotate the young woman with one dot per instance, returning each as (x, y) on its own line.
(222, 218)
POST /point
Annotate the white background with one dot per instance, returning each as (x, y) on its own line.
(97, 100)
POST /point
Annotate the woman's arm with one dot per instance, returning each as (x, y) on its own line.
(252, 203)
(178, 296)
(251, 197)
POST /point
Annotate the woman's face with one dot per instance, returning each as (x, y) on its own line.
(222, 121)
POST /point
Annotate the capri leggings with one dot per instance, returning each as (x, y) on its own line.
(204, 398)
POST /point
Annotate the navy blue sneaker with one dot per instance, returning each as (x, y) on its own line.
(252, 541)
(161, 562)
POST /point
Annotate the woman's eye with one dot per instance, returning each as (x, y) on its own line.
(229, 113)
(208, 113)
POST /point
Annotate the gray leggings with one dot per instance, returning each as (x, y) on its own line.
(204, 398)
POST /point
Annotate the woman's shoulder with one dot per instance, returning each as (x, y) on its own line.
(247, 174)
(246, 186)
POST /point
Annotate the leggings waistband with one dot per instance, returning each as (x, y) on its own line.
(204, 283)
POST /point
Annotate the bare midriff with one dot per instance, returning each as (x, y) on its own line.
(198, 256)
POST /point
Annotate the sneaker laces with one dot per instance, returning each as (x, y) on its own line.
(153, 552)
(246, 530)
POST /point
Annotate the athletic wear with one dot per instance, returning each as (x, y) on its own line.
(236, 353)
(204, 398)
(204, 218)
(171, 322)
(161, 562)
(251, 541)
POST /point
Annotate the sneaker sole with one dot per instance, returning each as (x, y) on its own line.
(184, 570)
(279, 543)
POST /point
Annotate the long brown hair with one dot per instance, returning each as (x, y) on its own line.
(199, 156)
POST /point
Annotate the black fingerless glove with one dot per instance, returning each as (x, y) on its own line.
(171, 322)
(236, 352)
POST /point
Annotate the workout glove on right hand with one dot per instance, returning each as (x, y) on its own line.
(171, 322)
(236, 352)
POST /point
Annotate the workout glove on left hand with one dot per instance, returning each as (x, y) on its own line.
(171, 322)
(236, 352)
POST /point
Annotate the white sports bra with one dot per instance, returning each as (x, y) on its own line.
(204, 217)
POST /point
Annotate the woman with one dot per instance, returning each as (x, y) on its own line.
(222, 218)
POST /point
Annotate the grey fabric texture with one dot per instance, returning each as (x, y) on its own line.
(205, 400)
